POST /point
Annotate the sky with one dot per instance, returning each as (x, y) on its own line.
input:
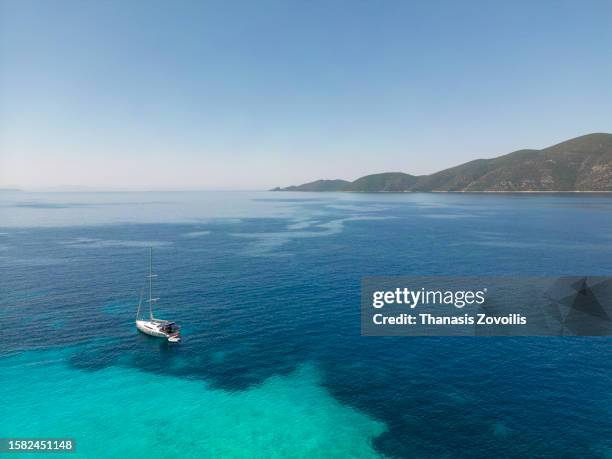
(255, 94)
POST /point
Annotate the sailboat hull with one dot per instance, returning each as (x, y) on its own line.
(150, 329)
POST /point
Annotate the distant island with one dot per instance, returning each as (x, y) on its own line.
(580, 164)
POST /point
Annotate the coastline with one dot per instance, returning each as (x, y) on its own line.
(453, 191)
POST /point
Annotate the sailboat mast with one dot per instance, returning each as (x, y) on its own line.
(151, 282)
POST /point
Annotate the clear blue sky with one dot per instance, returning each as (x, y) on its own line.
(254, 94)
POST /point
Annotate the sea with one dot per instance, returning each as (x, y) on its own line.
(266, 287)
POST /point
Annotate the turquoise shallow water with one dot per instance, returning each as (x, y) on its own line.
(273, 364)
(122, 412)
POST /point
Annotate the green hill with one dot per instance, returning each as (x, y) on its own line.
(580, 164)
(318, 185)
(388, 181)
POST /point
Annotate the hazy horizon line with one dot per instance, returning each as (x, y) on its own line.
(125, 189)
(101, 189)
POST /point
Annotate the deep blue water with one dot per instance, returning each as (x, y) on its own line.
(266, 286)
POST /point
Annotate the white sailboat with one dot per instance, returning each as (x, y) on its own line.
(151, 326)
